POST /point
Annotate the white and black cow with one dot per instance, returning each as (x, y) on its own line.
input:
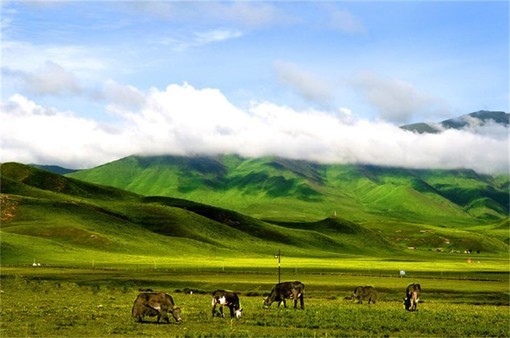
(281, 291)
(229, 299)
(413, 291)
(155, 304)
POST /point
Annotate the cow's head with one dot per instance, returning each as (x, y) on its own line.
(238, 313)
(177, 314)
(267, 302)
(356, 292)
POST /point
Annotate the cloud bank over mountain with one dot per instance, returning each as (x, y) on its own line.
(185, 120)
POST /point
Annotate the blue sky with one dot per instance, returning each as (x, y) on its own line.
(143, 76)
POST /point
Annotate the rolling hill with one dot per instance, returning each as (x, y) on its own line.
(287, 190)
(66, 220)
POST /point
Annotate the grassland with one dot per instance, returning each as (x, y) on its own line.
(97, 245)
(84, 302)
(57, 220)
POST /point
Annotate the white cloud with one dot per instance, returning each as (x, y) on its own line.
(50, 70)
(216, 35)
(346, 22)
(122, 97)
(35, 134)
(304, 83)
(52, 79)
(246, 14)
(199, 39)
(28, 57)
(184, 120)
(394, 99)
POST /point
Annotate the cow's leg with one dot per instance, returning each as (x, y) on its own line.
(221, 310)
(414, 301)
(231, 307)
(163, 313)
(302, 301)
(213, 308)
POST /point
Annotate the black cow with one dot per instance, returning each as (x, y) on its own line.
(365, 292)
(155, 304)
(226, 298)
(413, 291)
(281, 291)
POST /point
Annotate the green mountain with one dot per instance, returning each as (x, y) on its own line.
(287, 190)
(66, 220)
(54, 169)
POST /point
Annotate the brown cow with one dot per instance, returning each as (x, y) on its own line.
(281, 291)
(365, 292)
(413, 291)
(155, 304)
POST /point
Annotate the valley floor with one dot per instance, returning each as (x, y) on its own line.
(42, 302)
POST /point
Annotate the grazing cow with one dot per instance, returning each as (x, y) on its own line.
(365, 292)
(229, 299)
(293, 290)
(413, 291)
(155, 304)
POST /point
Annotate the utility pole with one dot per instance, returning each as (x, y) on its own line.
(278, 255)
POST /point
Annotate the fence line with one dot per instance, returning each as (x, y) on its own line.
(294, 271)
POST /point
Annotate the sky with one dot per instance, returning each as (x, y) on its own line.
(88, 82)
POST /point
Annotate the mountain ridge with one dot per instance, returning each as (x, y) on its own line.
(475, 119)
(262, 187)
(73, 218)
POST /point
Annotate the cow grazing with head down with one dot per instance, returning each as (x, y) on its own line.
(365, 292)
(229, 299)
(281, 291)
(155, 304)
(413, 291)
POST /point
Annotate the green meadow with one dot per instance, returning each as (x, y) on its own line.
(43, 302)
(94, 246)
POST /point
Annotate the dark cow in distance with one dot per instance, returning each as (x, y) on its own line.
(281, 291)
(365, 292)
(155, 304)
(413, 291)
(229, 299)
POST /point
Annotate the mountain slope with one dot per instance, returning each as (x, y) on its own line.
(60, 219)
(281, 189)
(479, 118)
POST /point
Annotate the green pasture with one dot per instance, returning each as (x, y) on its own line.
(95, 246)
(43, 302)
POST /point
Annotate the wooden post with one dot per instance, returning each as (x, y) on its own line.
(278, 255)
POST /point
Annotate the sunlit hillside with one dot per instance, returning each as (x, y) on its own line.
(281, 189)
(64, 220)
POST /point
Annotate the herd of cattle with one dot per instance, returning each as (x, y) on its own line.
(160, 304)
